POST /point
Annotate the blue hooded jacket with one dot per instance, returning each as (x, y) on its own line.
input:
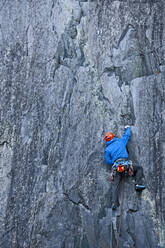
(116, 148)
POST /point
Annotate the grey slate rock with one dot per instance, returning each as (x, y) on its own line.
(70, 71)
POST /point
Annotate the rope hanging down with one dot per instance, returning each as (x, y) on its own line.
(121, 212)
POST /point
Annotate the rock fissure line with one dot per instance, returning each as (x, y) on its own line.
(80, 202)
(4, 142)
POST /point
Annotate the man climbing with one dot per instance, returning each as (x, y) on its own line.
(116, 154)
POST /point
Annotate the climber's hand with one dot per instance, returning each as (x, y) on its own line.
(112, 178)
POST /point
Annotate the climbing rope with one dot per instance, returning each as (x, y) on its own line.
(121, 212)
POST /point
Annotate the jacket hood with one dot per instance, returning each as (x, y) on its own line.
(111, 141)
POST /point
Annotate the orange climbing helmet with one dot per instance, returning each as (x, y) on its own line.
(109, 136)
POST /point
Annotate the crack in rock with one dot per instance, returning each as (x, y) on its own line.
(79, 203)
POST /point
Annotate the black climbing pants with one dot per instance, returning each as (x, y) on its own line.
(137, 172)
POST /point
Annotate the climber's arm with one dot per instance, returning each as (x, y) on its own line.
(108, 158)
(126, 136)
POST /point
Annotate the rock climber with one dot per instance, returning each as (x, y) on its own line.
(116, 155)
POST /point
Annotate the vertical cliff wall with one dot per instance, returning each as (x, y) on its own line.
(70, 71)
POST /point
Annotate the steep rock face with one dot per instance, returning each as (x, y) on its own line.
(70, 71)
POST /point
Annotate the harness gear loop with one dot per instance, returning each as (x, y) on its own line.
(121, 212)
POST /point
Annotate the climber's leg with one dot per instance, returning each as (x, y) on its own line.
(116, 185)
(138, 173)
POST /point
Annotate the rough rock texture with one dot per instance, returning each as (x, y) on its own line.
(70, 71)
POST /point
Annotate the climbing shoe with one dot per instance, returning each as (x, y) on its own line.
(139, 187)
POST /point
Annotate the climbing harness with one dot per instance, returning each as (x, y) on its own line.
(121, 166)
(121, 212)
